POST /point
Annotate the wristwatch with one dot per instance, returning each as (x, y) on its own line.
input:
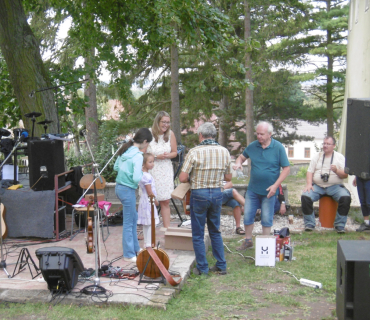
(155, 157)
(282, 202)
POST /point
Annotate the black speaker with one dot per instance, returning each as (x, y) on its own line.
(60, 267)
(358, 138)
(46, 159)
(353, 280)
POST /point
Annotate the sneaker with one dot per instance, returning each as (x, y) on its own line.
(363, 227)
(218, 270)
(247, 244)
(199, 273)
(309, 228)
(133, 259)
(340, 230)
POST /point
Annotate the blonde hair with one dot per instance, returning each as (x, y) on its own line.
(146, 156)
(156, 131)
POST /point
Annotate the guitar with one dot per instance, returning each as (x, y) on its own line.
(159, 262)
(4, 230)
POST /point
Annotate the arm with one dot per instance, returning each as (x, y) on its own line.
(228, 185)
(238, 162)
(138, 166)
(339, 172)
(184, 177)
(149, 191)
(309, 178)
(228, 176)
(272, 189)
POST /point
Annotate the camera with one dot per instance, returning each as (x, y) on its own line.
(325, 177)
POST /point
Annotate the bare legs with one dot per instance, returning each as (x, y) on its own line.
(165, 212)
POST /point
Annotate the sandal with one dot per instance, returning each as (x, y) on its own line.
(240, 231)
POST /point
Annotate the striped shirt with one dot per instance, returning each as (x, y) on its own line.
(207, 165)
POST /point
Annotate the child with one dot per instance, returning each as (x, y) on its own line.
(129, 167)
(147, 187)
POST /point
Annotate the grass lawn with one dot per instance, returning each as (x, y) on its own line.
(246, 292)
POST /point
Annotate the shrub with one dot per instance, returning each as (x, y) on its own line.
(302, 172)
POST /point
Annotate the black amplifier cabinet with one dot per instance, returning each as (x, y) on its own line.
(46, 159)
(353, 280)
(358, 138)
(60, 267)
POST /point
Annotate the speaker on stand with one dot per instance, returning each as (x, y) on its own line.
(358, 138)
(46, 159)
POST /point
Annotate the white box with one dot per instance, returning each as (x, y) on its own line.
(265, 251)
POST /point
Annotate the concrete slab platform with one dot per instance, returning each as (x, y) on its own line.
(22, 287)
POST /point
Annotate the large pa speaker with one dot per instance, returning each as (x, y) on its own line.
(60, 267)
(46, 159)
(358, 138)
(353, 280)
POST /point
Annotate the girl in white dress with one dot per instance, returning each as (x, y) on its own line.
(147, 187)
(164, 148)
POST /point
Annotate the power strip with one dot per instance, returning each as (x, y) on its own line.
(310, 283)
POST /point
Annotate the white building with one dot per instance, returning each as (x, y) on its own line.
(303, 151)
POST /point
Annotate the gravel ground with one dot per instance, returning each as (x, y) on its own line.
(228, 225)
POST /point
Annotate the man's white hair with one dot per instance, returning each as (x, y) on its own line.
(270, 128)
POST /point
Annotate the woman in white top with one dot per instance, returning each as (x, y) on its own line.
(164, 148)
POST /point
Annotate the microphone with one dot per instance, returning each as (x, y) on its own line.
(23, 136)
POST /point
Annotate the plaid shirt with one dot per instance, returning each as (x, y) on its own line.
(207, 165)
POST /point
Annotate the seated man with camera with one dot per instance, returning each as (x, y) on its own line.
(325, 177)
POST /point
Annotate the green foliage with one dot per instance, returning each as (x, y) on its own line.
(302, 172)
(103, 152)
(9, 109)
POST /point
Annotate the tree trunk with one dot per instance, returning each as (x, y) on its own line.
(329, 83)
(248, 75)
(175, 99)
(91, 112)
(26, 69)
(222, 134)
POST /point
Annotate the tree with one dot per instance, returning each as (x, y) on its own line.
(27, 73)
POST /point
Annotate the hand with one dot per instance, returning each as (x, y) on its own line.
(156, 202)
(282, 209)
(354, 182)
(165, 155)
(271, 190)
(333, 168)
(237, 166)
(308, 188)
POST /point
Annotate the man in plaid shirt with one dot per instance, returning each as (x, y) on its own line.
(206, 167)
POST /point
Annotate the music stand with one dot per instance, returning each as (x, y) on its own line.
(179, 159)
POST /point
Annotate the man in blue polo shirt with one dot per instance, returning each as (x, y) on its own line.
(268, 156)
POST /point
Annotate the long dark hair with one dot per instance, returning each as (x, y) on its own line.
(141, 135)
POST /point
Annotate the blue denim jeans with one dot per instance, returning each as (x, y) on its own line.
(336, 192)
(228, 199)
(130, 243)
(254, 201)
(363, 189)
(205, 205)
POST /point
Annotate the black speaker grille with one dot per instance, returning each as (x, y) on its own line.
(46, 158)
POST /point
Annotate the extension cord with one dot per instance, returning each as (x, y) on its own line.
(310, 283)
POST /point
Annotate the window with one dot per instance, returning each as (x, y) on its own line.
(307, 152)
(291, 152)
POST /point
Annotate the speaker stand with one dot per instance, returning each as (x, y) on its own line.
(23, 261)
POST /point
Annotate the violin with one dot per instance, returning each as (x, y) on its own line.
(90, 232)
